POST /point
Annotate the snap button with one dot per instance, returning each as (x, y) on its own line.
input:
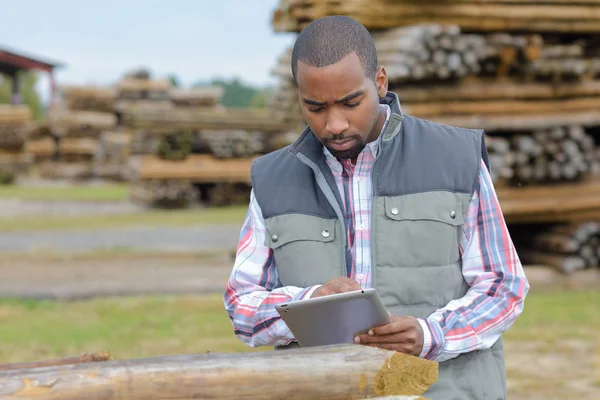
(394, 211)
(325, 234)
(275, 238)
(452, 214)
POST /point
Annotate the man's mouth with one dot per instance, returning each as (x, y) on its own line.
(341, 144)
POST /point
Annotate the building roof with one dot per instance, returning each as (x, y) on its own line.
(12, 61)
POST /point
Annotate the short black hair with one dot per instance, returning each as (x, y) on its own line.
(327, 40)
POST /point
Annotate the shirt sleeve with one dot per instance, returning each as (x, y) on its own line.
(254, 288)
(498, 286)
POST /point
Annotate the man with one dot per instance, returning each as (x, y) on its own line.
(371, 197)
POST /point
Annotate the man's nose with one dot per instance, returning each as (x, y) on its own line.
(336, 123)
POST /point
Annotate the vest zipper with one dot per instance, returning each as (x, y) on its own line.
(326, 189)
(374, 176)
(372, 222)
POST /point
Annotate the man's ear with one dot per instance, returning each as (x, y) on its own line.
(381, 81)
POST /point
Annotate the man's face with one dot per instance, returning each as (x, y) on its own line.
(341, 104)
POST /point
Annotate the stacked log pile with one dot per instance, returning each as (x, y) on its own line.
(545, 156)
(581, 16)
(76, 133)
(179, 153)
(567, 247)
(527, 74)
(15, 122)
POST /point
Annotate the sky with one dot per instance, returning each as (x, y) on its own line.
(98, 41)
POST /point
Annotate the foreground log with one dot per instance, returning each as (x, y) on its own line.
(332, 372)
(84, 358)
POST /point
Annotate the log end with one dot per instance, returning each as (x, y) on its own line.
(404, 375)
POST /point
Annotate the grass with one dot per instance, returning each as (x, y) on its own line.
(553, 316)
(108, 192)
(110, 254)
(189, 217)
(127, 327)
(154, 326)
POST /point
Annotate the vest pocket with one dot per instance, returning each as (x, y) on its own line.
(420, 229)
(307, 250)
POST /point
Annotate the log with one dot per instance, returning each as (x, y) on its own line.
(45, 147)
(510, 122)
(497, 89)
(169, 121)
(75, 171)
(82, 146)
(171, 193)
(15, 115)
(199, 168)
(84, 358)
(567, 247)
(551, 203)
(224, 194)
(379, 14)
(89, 98)
(114, 147)
(234, 143)
(197, 97)
(514, 107)
(565, 264)
(332, 372)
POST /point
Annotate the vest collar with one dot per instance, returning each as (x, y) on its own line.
(308, 144)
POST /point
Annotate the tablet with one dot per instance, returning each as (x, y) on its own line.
(333, 319)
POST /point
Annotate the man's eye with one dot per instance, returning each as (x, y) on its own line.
(352, 105)
(315, 109)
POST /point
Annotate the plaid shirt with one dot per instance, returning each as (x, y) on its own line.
(490, 266)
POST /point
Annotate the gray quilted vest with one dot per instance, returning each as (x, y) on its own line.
(423, 180)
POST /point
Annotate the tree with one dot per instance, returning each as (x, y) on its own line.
(29, 95)
(174, 80)
(262, 98)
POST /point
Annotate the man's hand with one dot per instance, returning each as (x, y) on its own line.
(403, 334)
(336, 285)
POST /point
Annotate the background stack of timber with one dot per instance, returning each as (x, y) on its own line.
(193, 150)
(66, 142)
(529, 75)
(15, 122)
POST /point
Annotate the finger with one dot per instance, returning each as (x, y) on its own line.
(392, 346)
(397, 326)
(402, 337)
(346, 286)
(353, 284)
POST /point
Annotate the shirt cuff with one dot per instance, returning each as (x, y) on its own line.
(433, 338)
(306, 293)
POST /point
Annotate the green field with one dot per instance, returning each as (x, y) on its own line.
(189, 217)
(153, 326)
(105, 192)
(127, 327)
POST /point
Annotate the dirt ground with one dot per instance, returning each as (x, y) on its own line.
(539, 371)
(67, 277)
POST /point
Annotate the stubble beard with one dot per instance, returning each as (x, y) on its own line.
(349, 154)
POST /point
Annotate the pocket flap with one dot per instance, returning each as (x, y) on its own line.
(438, 206)
(288, 228)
